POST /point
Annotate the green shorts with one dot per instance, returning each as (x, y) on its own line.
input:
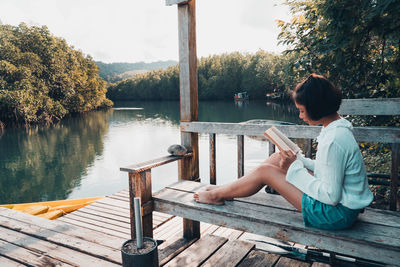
(324, 216)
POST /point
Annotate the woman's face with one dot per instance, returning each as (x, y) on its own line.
(304, 116)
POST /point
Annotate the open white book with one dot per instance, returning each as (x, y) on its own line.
(281, 140)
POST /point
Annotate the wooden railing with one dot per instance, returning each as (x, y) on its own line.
(140, 174)
(371, 134)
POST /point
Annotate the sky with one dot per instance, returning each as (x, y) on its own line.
(147, 30)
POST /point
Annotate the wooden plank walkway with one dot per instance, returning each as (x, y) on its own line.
(95, 233)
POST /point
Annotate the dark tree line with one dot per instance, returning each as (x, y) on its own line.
(219, 77)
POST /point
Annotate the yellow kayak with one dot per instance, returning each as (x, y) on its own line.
(52, 209)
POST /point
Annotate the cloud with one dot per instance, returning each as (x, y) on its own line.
(137, 30)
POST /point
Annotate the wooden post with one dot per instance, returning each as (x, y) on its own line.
(240, 147)
(188, 167)
(271, 148)
(308, 148)
(394, 179)
(213, 165)
(140, 186)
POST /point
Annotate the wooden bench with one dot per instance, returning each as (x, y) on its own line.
(375, 237)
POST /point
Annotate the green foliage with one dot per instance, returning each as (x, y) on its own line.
(42, 79)
(354, 43)
(219, 77)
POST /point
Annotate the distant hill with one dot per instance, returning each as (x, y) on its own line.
(113, 72)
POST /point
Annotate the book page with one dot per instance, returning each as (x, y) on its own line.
(280, 140)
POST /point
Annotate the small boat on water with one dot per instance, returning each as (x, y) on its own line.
(241, 96)
(52, 209)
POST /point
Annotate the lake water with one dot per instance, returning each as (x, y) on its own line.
(81, 156)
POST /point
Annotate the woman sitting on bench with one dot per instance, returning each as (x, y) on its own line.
(331, 190)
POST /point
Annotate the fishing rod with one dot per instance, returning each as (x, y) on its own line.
(304, 253)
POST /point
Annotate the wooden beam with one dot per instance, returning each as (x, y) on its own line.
(188, 167)
(240, 153)
(394, 179)
(374, 106)
(176, 2)
(213, 159)
(308, 148)
(361, 134)
(271, 148)
(147, 165)
(140, 186)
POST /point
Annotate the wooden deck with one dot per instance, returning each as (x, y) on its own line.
(94, 234)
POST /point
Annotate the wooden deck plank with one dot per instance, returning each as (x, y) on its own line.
(120, 214)
(229, 233)
(110, 208)
(5, 262)
(114, 203)
(319, 264)
(61, 253)
(172, 248)
(368, 241)
(45, 230)
(170, 229)
(230, 254)
(117, 197)
(98, 222)
(207, 228)
(51, 228)
(287, 262)
(123, 216)
(197, 253)
(83, 240)
(257, 258)
(109, 221)
(25, 255)
(96, 228)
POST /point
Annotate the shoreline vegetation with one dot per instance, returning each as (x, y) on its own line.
(43, 79)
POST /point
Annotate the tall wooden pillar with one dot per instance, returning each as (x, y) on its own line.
(188, 167)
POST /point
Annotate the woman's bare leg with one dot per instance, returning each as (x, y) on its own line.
(268, 173)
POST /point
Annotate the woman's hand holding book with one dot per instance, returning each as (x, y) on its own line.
(287, 158)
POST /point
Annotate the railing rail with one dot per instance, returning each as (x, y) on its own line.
(361, 134)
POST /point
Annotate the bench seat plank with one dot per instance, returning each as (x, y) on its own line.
(365, 240)
(375, 216)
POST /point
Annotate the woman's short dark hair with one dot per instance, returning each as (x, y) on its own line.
(318, 95)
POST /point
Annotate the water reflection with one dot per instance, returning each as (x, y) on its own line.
(81, 156)
(46, 163)
(215, 111)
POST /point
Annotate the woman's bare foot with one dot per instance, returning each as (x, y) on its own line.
(213, 187)
(207, 197)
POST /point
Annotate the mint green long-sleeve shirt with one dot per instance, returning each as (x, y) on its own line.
(339, 170)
